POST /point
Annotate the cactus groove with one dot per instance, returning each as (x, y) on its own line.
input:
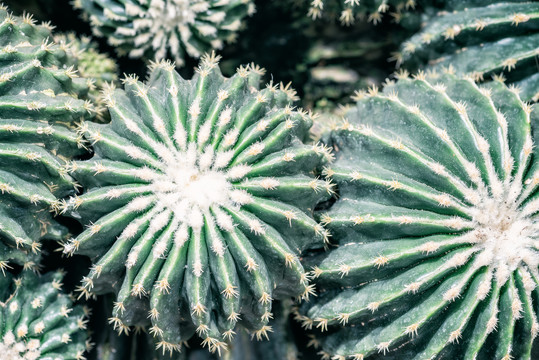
(157, 29)
(199, 197)
(38, 321)
(437, 226)
(39, 109)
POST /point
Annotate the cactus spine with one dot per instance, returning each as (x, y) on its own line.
(38, 321)
(198, 197)
(437, 226)
(39, 108)
(157, 29)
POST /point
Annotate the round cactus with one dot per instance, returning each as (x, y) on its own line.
(198, 198)
(38, 321)
(436, 223)
(159, 28)
(497, 40)
(39, 107)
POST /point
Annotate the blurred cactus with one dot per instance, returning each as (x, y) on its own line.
(436, 224)
(158, 29)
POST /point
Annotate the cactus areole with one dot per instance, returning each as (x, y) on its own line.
(437, 225)
(199, 197)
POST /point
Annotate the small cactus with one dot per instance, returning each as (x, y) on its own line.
(38, 321)
(437, 226)
(39, 107)
(499, 40)
(198, 198)
(157, 29)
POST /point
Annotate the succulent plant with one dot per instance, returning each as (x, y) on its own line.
(157, 29)
(199, 199)
(39, 108)
(501, 39)
(436, 224)
(38, 321)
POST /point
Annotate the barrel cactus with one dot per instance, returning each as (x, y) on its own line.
(39, 109)
(436, 226)
(199, 198)
(500, 40)
(157, 29)
(38, 321)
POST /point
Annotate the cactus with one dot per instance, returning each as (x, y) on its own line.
(39, 107)
(198, 197)
(159, 28)
(38, 321)
(436, 226)
(499, 40)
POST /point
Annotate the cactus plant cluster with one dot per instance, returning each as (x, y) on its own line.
(436, 223)
(159, 28)
(38, 321)
(500, 39)
(197, 212)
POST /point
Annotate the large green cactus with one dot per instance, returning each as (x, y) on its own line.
(157, 29)
(436, 226)
(39, 106)
(198, 198)
(38, 321)
(501, 39)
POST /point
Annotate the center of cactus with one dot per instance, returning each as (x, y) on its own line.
(11, 349)
(170, 14)
(504, 236)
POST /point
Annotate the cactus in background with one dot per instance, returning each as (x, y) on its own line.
(499, 40)
(199, 198)
(437, 226)
(157, 29)
(38, 321)
(39, 106)
(92, 65)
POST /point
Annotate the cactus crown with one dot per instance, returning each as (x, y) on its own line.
(37, 321)
(158, 28)
(209, 176)
(450, 176)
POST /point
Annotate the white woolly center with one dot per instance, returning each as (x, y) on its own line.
(12, 349)
(505, 237)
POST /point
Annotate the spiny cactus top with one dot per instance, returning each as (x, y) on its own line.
(38, 107)
(437, 226)
(500, 39)
(38, 321)
(159, 28)
(198, 197)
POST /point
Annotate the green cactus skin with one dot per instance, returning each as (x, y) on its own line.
(157, 28)
(38, 321)
(436, 225)
(497, 40)
(39, 107)
(198, 197)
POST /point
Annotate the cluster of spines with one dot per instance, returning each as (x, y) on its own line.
(38, 321)
(39, 109)
(255, 132)
(499, 40)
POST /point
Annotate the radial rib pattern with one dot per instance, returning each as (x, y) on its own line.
(436, 223)
(199, 198)
(39, 106)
